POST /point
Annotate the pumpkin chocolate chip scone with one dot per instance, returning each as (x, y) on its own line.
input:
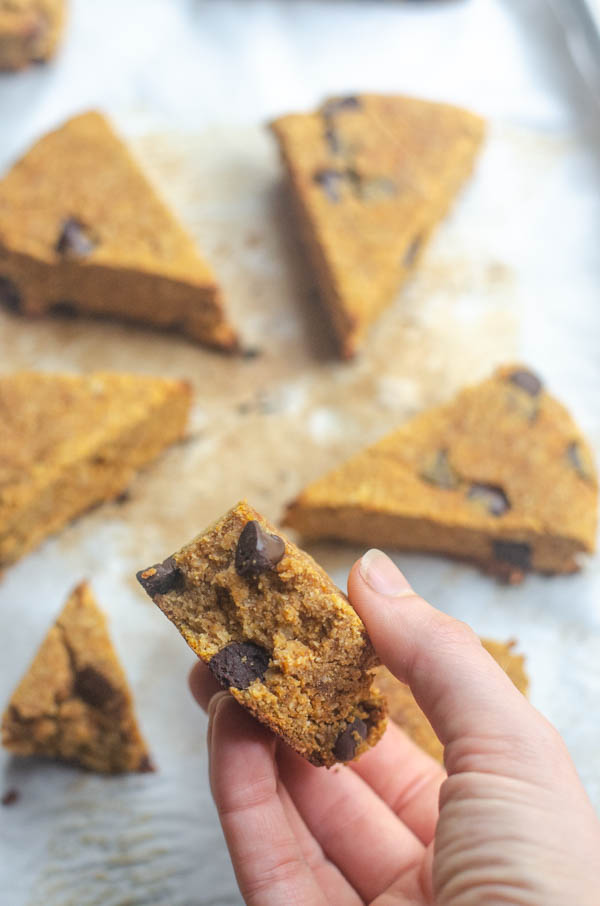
(500, 475)
(74, 702)
(29, 31)
(82, 230)
(276, 632)
(405, 712)
(370, 178)
(72, 441)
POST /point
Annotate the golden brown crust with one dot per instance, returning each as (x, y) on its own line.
(498, 475)
(405, 712)
(371, 176)
(311, 682)
(82, 228)
(29, 31)
(74, 702)
(72, 441)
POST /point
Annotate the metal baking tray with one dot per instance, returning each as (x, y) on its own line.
(513, 274)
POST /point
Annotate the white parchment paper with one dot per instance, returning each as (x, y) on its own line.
(513, 273)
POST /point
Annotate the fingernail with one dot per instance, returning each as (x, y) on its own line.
(382, 575)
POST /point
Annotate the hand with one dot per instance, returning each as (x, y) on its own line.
(509, 823)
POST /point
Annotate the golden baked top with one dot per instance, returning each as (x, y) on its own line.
(503, 457)
(51, 421)
(373, 174)
(79, 191)
(74, 701)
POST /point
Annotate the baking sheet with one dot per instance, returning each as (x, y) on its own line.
(513, 273)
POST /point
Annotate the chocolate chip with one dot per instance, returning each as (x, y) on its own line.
(376, 188)
(411, 252)
(64, 309)
(438, 471)
(331, 181)
(251, 352)
(160, 578)
(346, 744)
(10, 297)
(11, 797)
(516, 553)
(257, 551)
(332, 137)
(239, 664)
(146, 766)
(75, 239)
(492, 497)
(527, 381)
(93, 687)
(581, 461)
(339, 105)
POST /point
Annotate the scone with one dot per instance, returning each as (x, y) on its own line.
(83, 231)
(29, 31)
(72, 441)
(370, 177)
(500, 475)
(276, 632)
(74, 702)
(405, 712)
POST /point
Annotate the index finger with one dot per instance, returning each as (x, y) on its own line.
(473, 706)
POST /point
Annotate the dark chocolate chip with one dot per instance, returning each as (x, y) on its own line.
(160, 578)
(93, 687)
(410, 255)
(336, 141)
(331, 182)
(339, 105)
(332, 137)
(491, 496)
(64, 309)
(346, 744)
(527, 381)
(516, 553)
(438, 471)
(251, 352)
(146, 766)
(376, 188)
(239, 664)
(581, 461)
(257, 551)
(10, 297)
(11, 797)
(75, 239)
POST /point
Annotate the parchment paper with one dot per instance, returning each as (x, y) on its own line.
(512, 274)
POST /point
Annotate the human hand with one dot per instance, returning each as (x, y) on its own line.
(509, 823)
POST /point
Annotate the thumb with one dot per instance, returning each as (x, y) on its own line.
(473, 706)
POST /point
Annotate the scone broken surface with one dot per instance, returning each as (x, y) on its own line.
(72, 441)
(500, 475)
(277, 632)
(370, 178)
(74, 703)
(29, 31)
(405, 712)
(82, 230)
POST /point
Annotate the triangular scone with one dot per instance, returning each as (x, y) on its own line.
(500, 475)
(405, 712)
(370, 178)
(74, 702)
(274, 630)
(29, 31)
(82, 229)
(69, 442)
